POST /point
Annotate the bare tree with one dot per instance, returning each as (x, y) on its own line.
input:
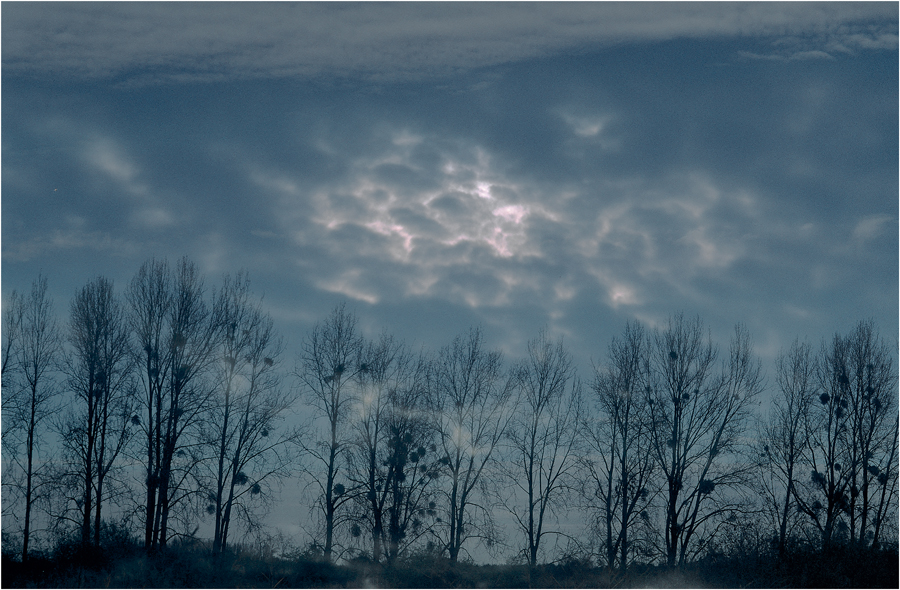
(12, 391)
(851, 436)
(388, 463)
(886, 491)
(698, 416)
(174, 334)
(12, 326)
(248, 453)
(369, 423)
(150, 299)
(783, 438)
(98, 371)
(33, 349)
(543, 436)
(413, 468)
(468, 398)
(621, 468)
(827, 451)
(872, 390)
(327, 369)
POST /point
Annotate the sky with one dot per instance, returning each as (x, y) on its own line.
(443, 165)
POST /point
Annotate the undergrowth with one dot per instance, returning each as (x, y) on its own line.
(128, 566)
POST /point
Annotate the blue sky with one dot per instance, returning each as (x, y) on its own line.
(442, 165)
(439, 166)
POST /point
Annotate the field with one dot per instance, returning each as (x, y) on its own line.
(129, 567)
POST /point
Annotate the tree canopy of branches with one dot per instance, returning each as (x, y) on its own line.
(175, 336)
(98, 369)
(543, 438)
(468, 398)
(850, 438)
(620, 467)
(30, 389)
(166, 409)
(698, 415)
(784, 435)
(391, 462)
(249, 401)
(330, 361)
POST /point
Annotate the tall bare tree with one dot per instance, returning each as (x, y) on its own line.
(150, 300)
(11, 392)
(12, 326)
(872, 392)
(98, 369)
(543, 437)
(412, 469)
(329, 363)
(248, 452)
(851, 437)
(390, 463)
(621, 469)
(698, 416)
(783, 437)
(469, 400)
(825, 496)
(886, 492)
(175, 336)
(34, 349)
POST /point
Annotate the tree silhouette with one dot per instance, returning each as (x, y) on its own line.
(241, 426)
(698, 416)
(98, 369)
(543, 437)
(851, 447)
(621, 472)
(392, 451)
(469, 404)
(784, 436)
(328, 365)
(32, 355)
(175, 336)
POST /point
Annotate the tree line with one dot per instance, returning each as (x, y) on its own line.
(171, 404)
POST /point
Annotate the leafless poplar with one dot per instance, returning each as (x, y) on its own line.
(621, 482)
(34, 347)
(698, 415)
(98, 370)
(783, 438)
(174, 335)
(469, 401)
(542, 438)
(247, 450)
(389, 461)
(327, 369)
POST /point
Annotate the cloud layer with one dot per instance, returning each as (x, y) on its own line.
(145, 42)
(568, 165)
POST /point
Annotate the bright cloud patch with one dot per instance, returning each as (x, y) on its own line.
(458, 227)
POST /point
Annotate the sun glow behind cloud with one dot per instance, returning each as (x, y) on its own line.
(603, 187)
(462, 217)
(458, 226)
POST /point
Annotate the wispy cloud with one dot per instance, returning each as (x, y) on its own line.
(146, 42)
(604, 175)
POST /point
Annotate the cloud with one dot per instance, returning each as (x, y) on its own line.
(66, 241)
(870, 227)
(795, 56)
(149, 42)
(573, 192)
(474, 234)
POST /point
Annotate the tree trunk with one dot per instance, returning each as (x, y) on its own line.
(329, 503)
(672, 526)
(28, 493)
